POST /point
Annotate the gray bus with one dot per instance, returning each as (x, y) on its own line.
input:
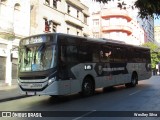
(61, 64)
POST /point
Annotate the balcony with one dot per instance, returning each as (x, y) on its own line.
(72, 20)
(86, 10)
(75, 3)
(109, 13)
(117, 28)
(6, 26)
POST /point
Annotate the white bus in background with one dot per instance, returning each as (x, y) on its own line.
(61, 64)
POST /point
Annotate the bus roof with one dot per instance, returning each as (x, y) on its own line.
(105, 41)
(95, 40)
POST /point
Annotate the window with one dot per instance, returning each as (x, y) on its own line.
(77, 33)
(18, 19)
(119, 54)
(95, 22)
(47, 2)
(85, 19)
(96, 35)
(3, 1)
(106, 54)
(95, 52)
(47, 27)
(68, 30)
(37, 58)
(69, 53)
(50, 25)
(53, 26)
(77, 14)
(55, 3)
(68, 59)
(17, 6)
(68, 9)
(85, 54)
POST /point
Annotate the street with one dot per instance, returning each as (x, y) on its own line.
(144, 97)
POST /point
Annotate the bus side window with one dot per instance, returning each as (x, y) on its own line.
(63, 55)
(72, 53)
(69, 53)
(95, 53)
(63, 74)
(119, 54)
(85, 54)
(129, 56)
(106, 54)
(68, 59)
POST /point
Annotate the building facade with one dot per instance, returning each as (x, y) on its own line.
(157, 34)
(117, 24)
(14, 25)
(122, 24)
(29, 17)
(63, 16)
(148, 26)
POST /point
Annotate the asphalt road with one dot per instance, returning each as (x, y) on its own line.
(120, 102)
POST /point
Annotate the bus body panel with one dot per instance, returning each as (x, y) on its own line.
(108, 63)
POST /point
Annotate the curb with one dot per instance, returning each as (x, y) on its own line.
(14, 98)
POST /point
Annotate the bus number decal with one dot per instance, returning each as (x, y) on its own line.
(88, 67)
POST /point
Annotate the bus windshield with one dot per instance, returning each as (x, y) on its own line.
(37, 57)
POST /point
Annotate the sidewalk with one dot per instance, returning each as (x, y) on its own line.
(9, 92)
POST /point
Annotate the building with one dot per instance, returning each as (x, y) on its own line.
(117, 24)
(157, 34)
(14, 25)
(29, 17)
(63, 16)
(138, 36)
(124, 23)
(148, 26)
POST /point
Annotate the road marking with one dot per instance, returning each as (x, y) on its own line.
(84, 115)
(135, 92)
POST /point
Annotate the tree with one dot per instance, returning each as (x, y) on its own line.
(146, 7)
(155, 53)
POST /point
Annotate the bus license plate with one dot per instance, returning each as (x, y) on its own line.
(31, 93)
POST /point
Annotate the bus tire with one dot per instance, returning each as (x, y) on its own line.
(87, 87)
(134, 81)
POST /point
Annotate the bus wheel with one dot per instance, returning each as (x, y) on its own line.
(87, 87)
(134, 81)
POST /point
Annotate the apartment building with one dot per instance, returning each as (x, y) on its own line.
(122, 24)
(63, 16)
(157, 34)
(117, 24)
(148, 26)
(14, 25)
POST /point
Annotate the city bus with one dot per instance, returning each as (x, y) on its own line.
(61, 64)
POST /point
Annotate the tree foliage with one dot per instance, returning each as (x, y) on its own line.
(146, 7)
(155, 53)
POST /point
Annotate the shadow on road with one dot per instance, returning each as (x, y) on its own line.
(100, 91)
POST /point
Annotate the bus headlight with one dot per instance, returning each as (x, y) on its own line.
(50, 81)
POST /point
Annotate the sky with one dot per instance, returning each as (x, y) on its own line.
(157, 22)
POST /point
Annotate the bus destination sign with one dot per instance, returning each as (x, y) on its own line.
(33, 40)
